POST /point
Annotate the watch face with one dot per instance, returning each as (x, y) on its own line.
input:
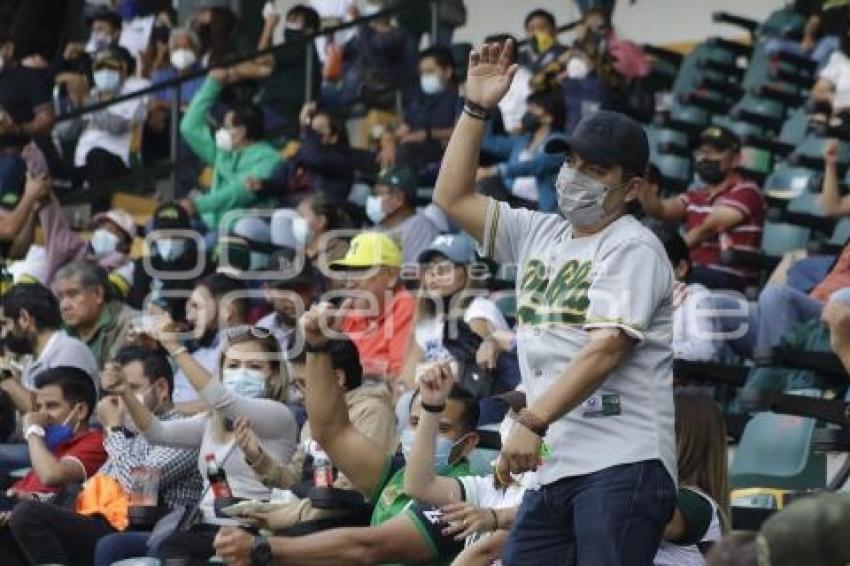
(261, 555)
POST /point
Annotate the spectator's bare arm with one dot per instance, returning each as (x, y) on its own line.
(831, 201)
(356, 455)
(489, 78)
(722, 218)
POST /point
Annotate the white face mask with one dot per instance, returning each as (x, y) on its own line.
(577, 68)
(170, 249)
(107, 80)
(375, 209)
(224, 139)
(182, 58)
(431, 84)
(300, 230)
(580, 197)
(245, 382)
(103, 242)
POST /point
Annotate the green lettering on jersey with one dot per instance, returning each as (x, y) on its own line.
(559, 300)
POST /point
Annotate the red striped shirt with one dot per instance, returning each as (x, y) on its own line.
(745, 197)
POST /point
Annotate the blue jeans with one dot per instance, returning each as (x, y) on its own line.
(120, 546)
(14, 457)
(613, 517)
(805, 274)
(780, 309)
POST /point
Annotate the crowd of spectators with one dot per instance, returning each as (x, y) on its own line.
(365, 271)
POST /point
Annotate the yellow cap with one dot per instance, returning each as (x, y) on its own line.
(370, 249)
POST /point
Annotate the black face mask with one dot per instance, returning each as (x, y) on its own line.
(530, 122)
(845, 45)
(292, 34)
(18, 345)
(710, 171)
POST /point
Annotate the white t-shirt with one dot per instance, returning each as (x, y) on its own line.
(429, 332)
(696, 336)
(617, 278)
(837, 71)
(526, 187)
(670, 554)
(514, 105)
(133, 110)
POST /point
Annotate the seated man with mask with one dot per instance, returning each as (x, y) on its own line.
(235, 152)
(173, 250)
(49, 534)
(725, 212)
(63, 449)
(402, 530)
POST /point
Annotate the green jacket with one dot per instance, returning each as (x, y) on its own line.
(230, 168)
(111, 332)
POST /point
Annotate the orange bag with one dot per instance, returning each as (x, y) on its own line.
(104, 495)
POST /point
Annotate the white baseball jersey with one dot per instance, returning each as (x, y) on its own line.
(619, 277)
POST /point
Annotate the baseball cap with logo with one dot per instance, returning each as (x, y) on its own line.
(171, 216)
(607, 138)
(811, 531)
(121, 218)
(399, 177)
(720, 138)
(458, 248)
(370, 249)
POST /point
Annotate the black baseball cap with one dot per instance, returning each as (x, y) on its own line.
(171, 216)
(105, 15)
(284, 261)
(720, 138)
(607, 138)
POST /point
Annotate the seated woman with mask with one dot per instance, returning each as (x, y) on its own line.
(252, 382)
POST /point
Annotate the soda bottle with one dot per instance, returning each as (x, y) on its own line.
(217, 479)
(323, 471)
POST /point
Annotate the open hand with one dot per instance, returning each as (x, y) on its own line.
(466, 520)
(490, 73)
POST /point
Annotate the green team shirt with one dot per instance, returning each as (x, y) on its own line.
(390, 499)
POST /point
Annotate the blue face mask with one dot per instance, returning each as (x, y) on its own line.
(56, 434)
(442, 449)
(245, 382)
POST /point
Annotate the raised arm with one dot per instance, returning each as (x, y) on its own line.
(420, 481)
(12, 222)
(489, 78)
(356, 455)
(831, 201)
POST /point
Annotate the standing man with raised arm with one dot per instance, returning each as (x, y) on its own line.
(593, 333)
